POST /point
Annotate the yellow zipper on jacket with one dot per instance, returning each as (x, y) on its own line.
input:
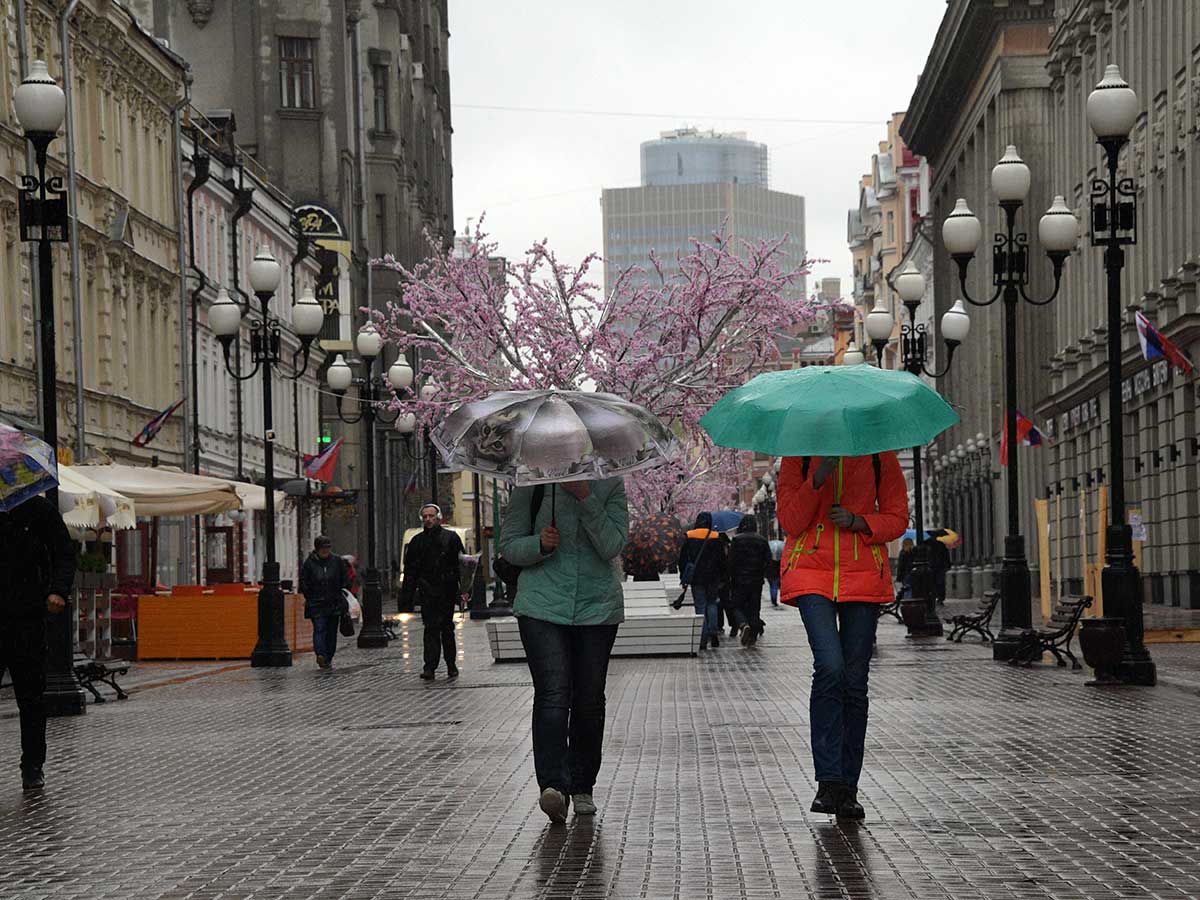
(837, 538)
(797, 551)
(856, 546)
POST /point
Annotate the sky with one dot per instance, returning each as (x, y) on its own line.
(582, 83)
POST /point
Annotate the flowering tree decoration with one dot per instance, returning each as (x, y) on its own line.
(672, 341)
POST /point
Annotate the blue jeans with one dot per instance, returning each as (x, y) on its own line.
(773, 584)
(569, 665)
(706, 598)
(841, 636)
(325, 635)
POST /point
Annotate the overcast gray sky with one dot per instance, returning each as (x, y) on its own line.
(672, 63)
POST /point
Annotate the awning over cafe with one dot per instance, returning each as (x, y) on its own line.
(87, 503)
(163, 491)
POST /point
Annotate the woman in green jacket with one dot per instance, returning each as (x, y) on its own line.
(569, 604)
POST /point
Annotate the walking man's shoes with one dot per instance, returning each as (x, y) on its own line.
(747, 636)
(716, 642)
(452, 671)
(426, 675)
(584, 804)
(33, 779)
(829, 795)
(554, 804)
(848, 806)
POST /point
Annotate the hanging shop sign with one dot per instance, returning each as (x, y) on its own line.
(323, 227)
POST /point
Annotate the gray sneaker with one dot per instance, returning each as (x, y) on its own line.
(554, 804)
(584, 804)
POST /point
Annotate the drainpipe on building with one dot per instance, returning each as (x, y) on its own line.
(243, 201)
(201, 168)
(64, 36)
(23, 68)
(190, 412)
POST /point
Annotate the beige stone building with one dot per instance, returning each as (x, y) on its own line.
(117, 296)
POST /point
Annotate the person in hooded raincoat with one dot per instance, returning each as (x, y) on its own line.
(749, 557)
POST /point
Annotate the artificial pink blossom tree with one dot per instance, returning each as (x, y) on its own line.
(674, 342)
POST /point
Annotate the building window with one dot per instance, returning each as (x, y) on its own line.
(381, 224)
(380, 76)
(891, 227)
(296, 73)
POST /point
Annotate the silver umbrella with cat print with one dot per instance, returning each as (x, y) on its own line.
(542, 437)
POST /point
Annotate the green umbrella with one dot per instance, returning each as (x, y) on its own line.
(829, 411)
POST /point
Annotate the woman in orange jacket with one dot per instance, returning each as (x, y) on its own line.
(839, 513)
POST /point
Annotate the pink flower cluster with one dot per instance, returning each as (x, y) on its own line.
(674, 343)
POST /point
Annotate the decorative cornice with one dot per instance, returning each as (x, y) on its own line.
(200, 11)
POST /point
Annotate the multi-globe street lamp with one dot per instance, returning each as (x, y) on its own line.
(225, 321)
(372, 394)
(40, 105)
(1111, 110)
(920, 614)
(1058, 232)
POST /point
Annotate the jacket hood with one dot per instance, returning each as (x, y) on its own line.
(703, 520)
(748, 523)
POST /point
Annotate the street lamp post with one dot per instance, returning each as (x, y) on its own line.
(40, 106)
(340, 376)
(920, 614)
(225, 319)
(1111, 110)
(1058, 231)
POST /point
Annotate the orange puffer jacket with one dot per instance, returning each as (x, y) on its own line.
(819, 557)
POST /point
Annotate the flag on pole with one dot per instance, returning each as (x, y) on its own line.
(1156, 346)
(411, 487)
(154, 426)
(321, 467)
(1027, 434)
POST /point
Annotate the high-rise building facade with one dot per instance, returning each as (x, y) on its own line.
(671, 208)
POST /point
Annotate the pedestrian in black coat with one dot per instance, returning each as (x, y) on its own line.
(323, 577)
(749, 558)
(39, 577)
(431, 574)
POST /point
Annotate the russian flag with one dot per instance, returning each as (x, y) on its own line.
(1027, 434)
(154, 426)
(321, 467)
(1156, 346)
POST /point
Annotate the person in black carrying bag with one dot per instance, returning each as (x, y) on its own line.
(322, 579)
(702, 568)
(431, 573)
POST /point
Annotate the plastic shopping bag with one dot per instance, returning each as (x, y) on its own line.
(354, 608)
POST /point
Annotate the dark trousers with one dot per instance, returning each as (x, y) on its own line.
(325, 635)
(438, 620)
(841, 636)
(747, 609)
(569, 665)
(23, 656)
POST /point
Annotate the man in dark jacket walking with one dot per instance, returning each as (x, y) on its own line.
(323, 577)
(39, 580)
(749, 557)
(702, 567)
(431, 573)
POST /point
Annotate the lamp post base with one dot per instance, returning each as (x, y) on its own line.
(1121, 584)
(372, 636)
(1016, 614)
(272, 650)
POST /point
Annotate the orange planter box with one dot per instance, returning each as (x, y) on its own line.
(212, 626)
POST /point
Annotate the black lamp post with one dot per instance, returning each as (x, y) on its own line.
(340, 376)
(225, 318)
(920, 613)
(40, 106)
(1058, 231)
(1111, 110)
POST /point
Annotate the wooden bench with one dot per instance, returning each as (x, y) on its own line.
(651, 627)
(1055, 636)
(89, 671)
(978, 621)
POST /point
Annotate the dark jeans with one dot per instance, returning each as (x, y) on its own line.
(773, 583)
(438, 636)
(939, 586)
(706, 599)
(23, 656)
(569, 665)
(748, 607)
(325, 635)
(841, 636)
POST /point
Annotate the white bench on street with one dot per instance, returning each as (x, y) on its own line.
(651, 627)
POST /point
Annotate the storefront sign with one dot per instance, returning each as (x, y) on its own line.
(1084, 414)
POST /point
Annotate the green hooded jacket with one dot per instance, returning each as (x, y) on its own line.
(580, 582)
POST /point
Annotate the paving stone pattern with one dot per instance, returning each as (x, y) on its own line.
(363, 782)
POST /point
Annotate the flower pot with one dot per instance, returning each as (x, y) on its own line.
(1102, 641)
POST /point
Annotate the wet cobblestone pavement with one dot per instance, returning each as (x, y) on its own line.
(981, 781)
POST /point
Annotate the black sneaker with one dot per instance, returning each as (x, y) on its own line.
(848, 806)
(716, 642)
(703, 643)
(452, 671)
(33, 780)
(747, 636)
(829, 794)
(426, 675)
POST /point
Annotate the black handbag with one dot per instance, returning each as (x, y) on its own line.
(346, 625)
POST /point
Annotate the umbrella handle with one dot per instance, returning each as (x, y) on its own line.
(553, 510)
